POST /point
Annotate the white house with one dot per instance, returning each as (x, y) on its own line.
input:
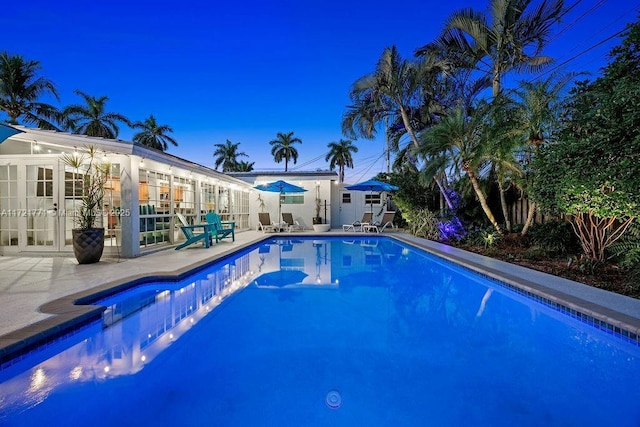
(38, 195)
(337, 204)
(317, 201)
(147, 187)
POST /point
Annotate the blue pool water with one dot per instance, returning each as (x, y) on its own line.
(279, 333)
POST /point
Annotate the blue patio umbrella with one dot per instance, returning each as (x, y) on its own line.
(6, 131)
(281, 187)
(371, 186)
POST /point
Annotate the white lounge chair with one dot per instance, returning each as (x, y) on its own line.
(358, 225)
(265, 224)
(291, 224)
(379, 226)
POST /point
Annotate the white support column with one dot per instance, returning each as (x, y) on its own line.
(130, 202)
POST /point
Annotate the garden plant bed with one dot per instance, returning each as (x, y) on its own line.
(606, 276)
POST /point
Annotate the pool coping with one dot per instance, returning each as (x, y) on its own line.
(606, 310)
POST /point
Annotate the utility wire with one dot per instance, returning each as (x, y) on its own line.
(574, 57)
(578, 19)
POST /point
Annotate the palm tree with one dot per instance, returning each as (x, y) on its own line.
(340, 154)
(396, 90)
(539, 108)
(392, 90)
(91, 119)
(244, 166)
(282, 148)
(501, 147)
(20, 89)
(508, 37)
(153, 134)
(227, 155)
(455, 144)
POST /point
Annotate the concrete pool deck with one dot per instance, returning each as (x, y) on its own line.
(37, 292)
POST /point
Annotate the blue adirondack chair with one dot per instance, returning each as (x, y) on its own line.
(221, 229)
(192, 236)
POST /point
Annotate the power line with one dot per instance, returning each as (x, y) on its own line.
(579, 18)
(369, 168)
(308, 162)
(574, 57)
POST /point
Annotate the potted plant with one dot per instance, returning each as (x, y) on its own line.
(88, 240)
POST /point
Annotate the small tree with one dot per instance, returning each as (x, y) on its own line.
(591, 175)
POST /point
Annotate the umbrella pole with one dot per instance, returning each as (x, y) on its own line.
(371, 204)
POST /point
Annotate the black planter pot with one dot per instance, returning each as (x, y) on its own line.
(88, 244)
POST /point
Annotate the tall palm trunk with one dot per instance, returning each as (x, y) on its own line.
(503, 205)
(416, 144)
(483, 200)
(530, 216)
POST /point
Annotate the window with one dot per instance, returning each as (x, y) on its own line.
(372, 199)
(155, 207)
(346, 198)
(44, 186)
(292, 199)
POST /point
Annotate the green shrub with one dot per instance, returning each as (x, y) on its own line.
(479, 236)
(422, 223)
(556, 238)
(626, 251)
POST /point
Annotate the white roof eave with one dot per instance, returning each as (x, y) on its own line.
(114, 146)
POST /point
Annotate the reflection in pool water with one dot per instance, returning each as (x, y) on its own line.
(263, 338)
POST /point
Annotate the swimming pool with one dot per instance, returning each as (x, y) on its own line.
(265, 337)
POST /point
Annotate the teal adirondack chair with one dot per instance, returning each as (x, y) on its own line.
(191, 235)
(221, 229)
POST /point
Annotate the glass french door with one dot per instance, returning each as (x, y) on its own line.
(39, 216)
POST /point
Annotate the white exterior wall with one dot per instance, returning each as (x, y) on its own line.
(19, 151)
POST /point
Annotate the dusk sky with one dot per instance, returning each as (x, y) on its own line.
(244, 71)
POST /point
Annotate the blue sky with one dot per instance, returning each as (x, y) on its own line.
(244, 71)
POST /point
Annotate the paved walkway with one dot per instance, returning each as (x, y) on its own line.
(26, 283)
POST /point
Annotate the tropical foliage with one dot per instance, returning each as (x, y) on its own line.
(152, 134)
(340, 155)
(21, 89)
(92, 119)
(282, 148)
(567, 153)
(591, 174)
(227, 155)
(510, 37)
(244, 166)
